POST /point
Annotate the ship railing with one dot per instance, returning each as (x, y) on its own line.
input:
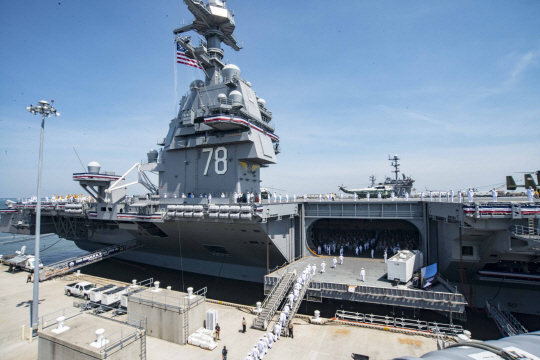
(524, 230)
(400, 323)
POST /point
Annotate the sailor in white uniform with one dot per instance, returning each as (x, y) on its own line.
(275, 197)
(372, 253)
(277, 331)
(294, 197)
(379, 196)
(341, 259)
(265, 341)
(286, 310)
(319, 250)
(385, 256)
(530, 193)
(452, 195)
(356, 249)
(367, 196)
(314, 268)
(494, 195)
(448, 196)
(430, 196)
(296, 293)
(470, 195)
(286, 197)
(282, 319)
(335, 262)
(422, 195)
(270, 339)
(460, 197)
(320, 197)
(406, 196)
(440, 196)
(280, 198)
(305, 197)
(255, 353)
(248, 357)
(323, 265)
(291, 299)
(393, 196)
(341, 195)
(260, 346)
(363, 274)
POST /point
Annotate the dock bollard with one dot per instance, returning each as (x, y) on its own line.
(22, 333)
(29, 335)
(169, 288)
(317, 319)
(258, 309)
(156, 287)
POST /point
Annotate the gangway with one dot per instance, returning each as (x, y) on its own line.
(68, 265)
(506, 322)
(296, 305)
(273, 300)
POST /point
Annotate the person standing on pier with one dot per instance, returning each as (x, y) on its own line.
(224, 352)
(244, 325)
(248, 357)
(255, 353)
(291, 330)
(363, 274)
(385, 256)
(270, 339)
(218, 329)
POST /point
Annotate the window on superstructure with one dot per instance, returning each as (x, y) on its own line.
(467, 251)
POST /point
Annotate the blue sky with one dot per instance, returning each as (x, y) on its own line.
(452, 87)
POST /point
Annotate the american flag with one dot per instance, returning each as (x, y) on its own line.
(181, 57)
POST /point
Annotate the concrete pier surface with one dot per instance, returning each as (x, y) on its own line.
(321, 342)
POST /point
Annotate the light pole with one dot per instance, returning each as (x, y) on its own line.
(45, 110)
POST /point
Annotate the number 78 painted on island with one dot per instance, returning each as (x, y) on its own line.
(218, 159)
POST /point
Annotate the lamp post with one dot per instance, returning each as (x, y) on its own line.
(45, 110)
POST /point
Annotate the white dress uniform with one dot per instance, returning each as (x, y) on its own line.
(323, 265)
(341, 196)
(367, 196)
(372, 253)
(275, 198)
(363, 274)
(296, 294)
(470, 195)
(260, 346)
(385, 256)
(270, 339)
(255, 353)
(430, 196)
(341, 259)
(380, 197)
(294, 197)
(265, 341)
(406, 196)
(494, 195)
(248, 357)
(277, 331)
(291, 299)
(314, 268)
(440, 196)
(279, 197)
(286, 197)
(320, 197)
(335, 262)
(422, 196)
(282, 319)
(393, 196)
(530, 193)
(319, 250)
(452, 195)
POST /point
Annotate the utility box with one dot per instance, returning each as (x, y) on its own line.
(211, 319)
(401, 266)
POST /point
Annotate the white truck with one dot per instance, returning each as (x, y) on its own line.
(402, 265)
(80, 289)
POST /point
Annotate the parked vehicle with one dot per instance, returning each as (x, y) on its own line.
(82, 289)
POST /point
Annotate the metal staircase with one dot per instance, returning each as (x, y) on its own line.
(273, 300)
(506, 322)
(296, 306)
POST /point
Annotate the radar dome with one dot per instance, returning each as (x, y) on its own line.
(248, 83)
(261, 102)
(94, 167)
(196, 83)
(152, 156)
(229, 70)
(235, 96)
(222, 97)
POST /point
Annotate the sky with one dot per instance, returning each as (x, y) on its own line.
(452, 87)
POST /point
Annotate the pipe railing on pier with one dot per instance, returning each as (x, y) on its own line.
(400, 323)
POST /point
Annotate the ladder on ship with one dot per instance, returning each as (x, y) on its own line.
(273, 300)
(65, 266)
(506, 322)
(296, 305)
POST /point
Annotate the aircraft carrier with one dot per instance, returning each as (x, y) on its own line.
(206, 214)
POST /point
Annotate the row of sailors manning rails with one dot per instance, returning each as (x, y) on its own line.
(328, 249)
(358, 248)
(250, 197)
(267, 341)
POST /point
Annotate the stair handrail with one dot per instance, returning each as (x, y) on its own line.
(272, 310)
(296, 305)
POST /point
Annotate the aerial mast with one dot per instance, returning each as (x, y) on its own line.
(395, 164)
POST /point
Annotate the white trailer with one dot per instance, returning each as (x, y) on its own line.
(95, 294)
(113, 296)
(401, 266)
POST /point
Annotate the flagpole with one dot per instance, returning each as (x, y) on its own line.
(175, 81)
